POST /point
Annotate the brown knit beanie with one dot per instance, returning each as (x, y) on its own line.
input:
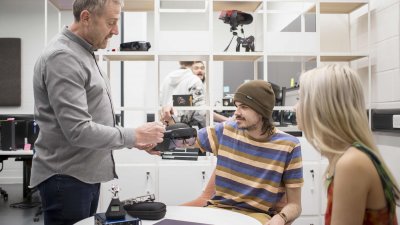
(258, 95)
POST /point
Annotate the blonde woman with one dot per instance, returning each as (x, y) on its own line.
(332, 113)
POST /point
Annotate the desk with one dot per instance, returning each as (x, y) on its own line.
(197, 214)
(26, 157)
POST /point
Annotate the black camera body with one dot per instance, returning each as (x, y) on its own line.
(135, 46)
(235, 18)
(247, 43)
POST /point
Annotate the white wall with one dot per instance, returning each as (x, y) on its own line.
(25, 20)
(14, 23)
(385, 49)
(385, 39)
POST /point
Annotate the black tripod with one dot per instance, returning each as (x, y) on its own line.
(247, 43)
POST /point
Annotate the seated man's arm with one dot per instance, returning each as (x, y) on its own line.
(291, 210)
(219, 117)
(206, 195)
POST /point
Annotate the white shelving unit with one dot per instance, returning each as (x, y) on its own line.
(305, 46)
(315, 40)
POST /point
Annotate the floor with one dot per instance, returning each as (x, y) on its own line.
(24, 213)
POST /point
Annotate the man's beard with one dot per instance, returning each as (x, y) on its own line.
(244, 127)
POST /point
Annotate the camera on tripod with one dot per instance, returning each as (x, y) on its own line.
(237, 18)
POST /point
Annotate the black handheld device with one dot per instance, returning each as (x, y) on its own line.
(135, 46)
(175, 132)
(115, 210)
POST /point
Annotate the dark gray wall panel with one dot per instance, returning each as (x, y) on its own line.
(10, 71)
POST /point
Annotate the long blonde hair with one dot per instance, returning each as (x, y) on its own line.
(332, 110)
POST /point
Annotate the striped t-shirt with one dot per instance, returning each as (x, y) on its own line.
(251, 175)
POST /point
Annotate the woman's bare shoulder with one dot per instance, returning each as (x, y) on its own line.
(354, 163)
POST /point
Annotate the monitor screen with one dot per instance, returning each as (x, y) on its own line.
(291, 96)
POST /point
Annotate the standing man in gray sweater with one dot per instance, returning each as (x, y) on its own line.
(75, 114)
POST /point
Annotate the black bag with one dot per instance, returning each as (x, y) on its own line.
(146, 210)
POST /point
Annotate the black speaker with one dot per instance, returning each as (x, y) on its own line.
(20, 133)
(7, 133)
(12, 133)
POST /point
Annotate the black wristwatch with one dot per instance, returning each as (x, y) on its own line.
(284, 217)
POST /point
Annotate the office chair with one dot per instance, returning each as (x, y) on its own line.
(3, 194)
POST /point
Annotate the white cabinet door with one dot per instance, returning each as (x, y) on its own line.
(310, 193)
(308, 152)
(307, 221)
(133, 180)
(181, 183)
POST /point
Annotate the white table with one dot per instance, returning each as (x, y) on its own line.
(16, 153)
(26, 157)
(197, 214)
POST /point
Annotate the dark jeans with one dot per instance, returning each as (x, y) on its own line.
(67, 200)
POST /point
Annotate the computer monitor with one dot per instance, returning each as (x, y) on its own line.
(24, 127)
(279, 94)
(291, 96)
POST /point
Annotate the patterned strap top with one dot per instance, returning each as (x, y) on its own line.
(385, 216)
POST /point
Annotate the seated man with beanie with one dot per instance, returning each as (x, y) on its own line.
(257, 164)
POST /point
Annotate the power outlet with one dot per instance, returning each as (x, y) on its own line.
(396, 121)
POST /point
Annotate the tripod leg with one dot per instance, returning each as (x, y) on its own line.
(238, 43)
(229, 44)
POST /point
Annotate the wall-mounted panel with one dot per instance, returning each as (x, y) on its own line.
(10, 71)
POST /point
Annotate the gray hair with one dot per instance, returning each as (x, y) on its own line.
(93, 6)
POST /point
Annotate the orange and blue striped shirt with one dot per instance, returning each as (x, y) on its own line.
(251, 174)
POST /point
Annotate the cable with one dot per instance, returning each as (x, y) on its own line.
(25, 205)
(229, 43)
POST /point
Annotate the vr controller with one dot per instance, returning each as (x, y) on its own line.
(247, 43)
(175, 133)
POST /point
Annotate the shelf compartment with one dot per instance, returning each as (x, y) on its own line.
(137, 108)
(292, 42)
(341, 57)
(128, 56)
(181, 6)
(238, 56)
(183, 56)
(138, 5)
(244, 5)
(129, 5)
(62, 5)
(292, 57)
(175, 35)
(339, 7)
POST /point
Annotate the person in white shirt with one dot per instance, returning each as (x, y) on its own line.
(199, 69)
(183, 82)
